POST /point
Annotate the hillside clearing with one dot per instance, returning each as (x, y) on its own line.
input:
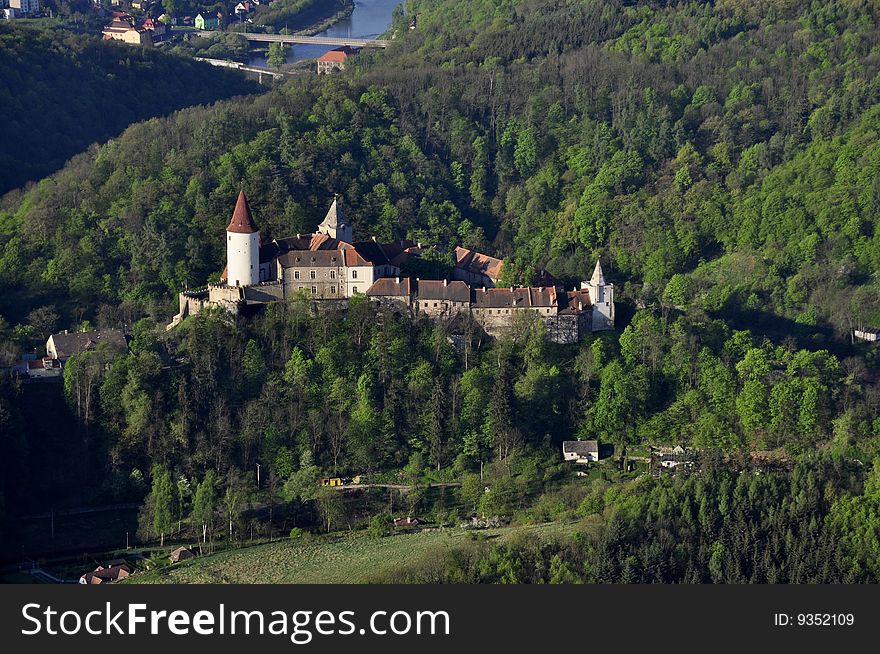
(332, 559)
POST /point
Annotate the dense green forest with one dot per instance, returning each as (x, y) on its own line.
(801, 527)
(721, 158)
(61, 92)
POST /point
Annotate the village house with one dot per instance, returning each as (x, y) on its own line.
(64, 345)
(121, 29)
(156, 29)
(242, 9)
(181, 554)
(334, 59)
(580, 451)
(208, 21)
(329, 265)
(107, 573)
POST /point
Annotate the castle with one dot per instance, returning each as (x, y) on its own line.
(330, 266)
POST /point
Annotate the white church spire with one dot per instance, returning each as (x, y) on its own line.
(335, 225)
(602, 298)
(598, 278)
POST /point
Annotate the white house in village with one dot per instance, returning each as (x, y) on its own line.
(580, 451)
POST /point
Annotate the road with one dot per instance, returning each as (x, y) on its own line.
(401, 487)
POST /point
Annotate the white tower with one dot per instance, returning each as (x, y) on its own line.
(242, 246)
(335, 225)
(602, 296)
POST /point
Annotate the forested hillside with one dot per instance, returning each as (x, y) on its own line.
(721, 158)
(61, 92)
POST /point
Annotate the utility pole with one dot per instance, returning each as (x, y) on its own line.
(258, 476)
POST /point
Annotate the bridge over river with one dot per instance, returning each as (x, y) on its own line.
(293, 38)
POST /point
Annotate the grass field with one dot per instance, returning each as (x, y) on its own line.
(335, 558)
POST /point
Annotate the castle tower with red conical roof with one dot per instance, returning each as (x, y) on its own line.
(242, 246)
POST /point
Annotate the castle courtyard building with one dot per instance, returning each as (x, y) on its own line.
(329, 265)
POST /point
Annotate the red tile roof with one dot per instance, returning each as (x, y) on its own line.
(577, 301)
(338, 55)
(242, 222)
(353, 258)
(478, 263)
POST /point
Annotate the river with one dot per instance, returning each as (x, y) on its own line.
(369, 19)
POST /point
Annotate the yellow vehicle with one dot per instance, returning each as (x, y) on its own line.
(331, 481)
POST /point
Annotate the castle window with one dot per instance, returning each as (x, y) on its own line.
(332, 274)
(354, 289)
(314, 290)
(312, 274)
(354, 274)
(296, 275)
(333, 290)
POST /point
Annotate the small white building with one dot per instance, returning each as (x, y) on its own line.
(870, 335)
(580, 451)
(65, 344)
